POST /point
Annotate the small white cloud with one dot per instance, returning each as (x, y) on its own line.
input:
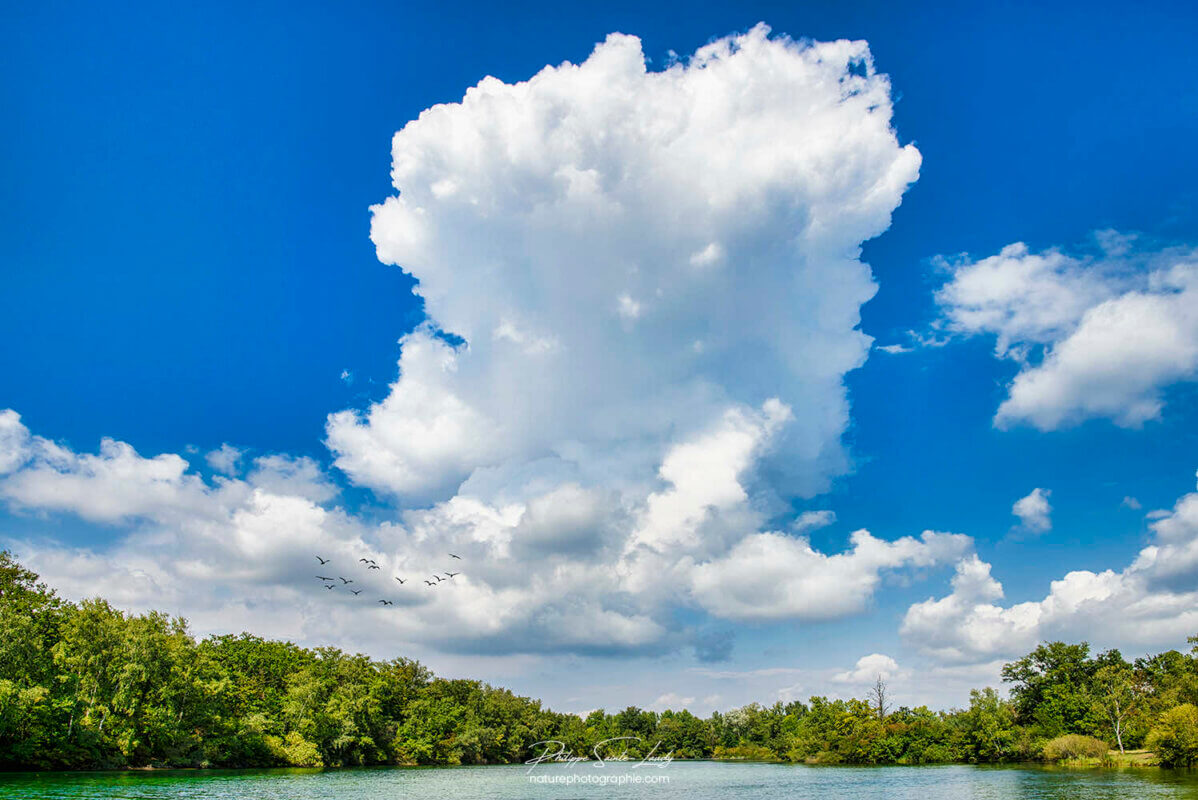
(1132, 503)
(285, 475)
(628, 308)
(741, 675)
(224, 459)
(813, 520)
(1034, 511)
(709, 256)
(789, 694)
(671, 701)
(1113, 243)
(347, 377)
(868, 669)
(916, 340)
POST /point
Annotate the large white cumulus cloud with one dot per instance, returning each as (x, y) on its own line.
(628, 253)
(643, 294)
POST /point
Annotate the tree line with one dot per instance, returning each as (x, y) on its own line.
(85, 685)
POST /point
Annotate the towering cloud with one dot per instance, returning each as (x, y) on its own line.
(624, 255)
(642, 293)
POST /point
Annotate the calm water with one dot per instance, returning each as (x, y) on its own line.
(686, 780)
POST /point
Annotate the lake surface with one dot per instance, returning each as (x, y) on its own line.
(685, 780)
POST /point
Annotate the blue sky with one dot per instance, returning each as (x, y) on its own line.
(188, 263)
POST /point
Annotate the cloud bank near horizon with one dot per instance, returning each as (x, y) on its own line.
(1151, 601)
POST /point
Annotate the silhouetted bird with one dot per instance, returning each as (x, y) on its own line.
(356, 592)
(373, 566)
(401, 581)
(439, 578)
(430, 583)
(323, 578)
(330, 586)
(322, 561)
(387, 602)
(451, 555)
(344, 581)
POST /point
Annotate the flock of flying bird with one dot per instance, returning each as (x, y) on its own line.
(331, 583)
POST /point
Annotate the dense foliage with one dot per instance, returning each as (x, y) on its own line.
(86, 685)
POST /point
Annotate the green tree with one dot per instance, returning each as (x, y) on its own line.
(88, 653)
(1116, 695)
(34, 721)
(1174, 739)
(30, 616)
(1051, 688)
(988, 727)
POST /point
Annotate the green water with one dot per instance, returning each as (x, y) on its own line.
(686, 780)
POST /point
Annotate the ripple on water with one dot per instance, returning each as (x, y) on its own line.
(687, 781)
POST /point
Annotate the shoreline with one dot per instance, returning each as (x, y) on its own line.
(1073, 765)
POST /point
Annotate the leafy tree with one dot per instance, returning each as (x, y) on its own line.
(1116, 694)
(30, 616)
(1051, 688)
(1169, 679)
(1175, 737)
(988, 728)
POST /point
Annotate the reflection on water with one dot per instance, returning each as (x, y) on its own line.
(616, 781)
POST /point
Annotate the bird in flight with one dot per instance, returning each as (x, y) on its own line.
(439, 578)
(323, 578)
(401, 581)
(451, 555)
(372, 566)
(451, 574)
(355, 592)
(330, 586)
(366, 560)
(344, 581)
(430, 583)
(322, 561)
(387, 602)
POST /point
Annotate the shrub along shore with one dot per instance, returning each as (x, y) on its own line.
(86, 686)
